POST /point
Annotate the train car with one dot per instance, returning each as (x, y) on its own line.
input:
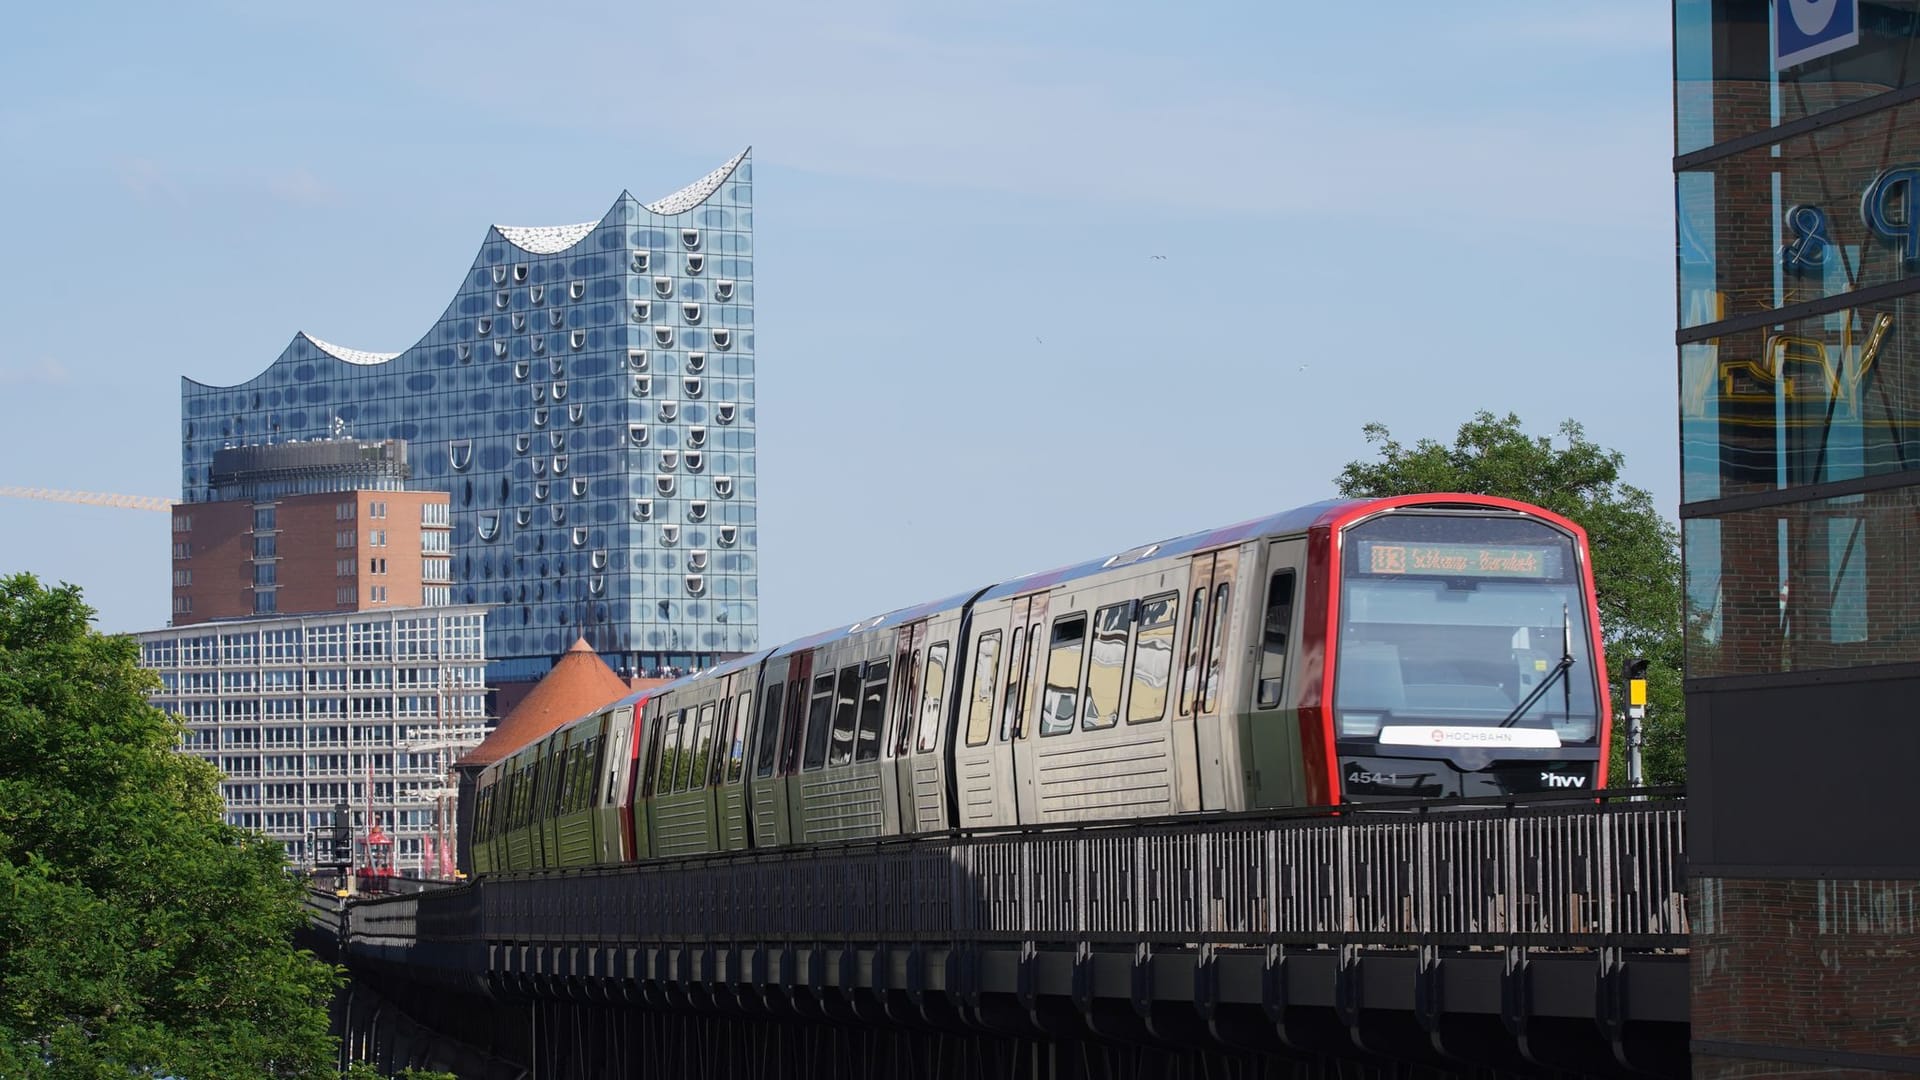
(1419, 646)
(1430, 631)
(687, 804)
(566, 800)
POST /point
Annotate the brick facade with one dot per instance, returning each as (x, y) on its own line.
(335, 551)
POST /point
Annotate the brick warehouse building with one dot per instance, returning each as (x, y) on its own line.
(1797, 178)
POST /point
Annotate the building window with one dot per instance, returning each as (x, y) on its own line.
(182, 578)
(263, 519)
(344, 512)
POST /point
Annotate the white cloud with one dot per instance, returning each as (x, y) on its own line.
(45, 371)
(300, 187)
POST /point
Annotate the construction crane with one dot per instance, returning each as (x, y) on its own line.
(92, 498)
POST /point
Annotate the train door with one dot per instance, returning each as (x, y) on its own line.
(766, 810)
(793, 730)
(1029, 701)
(909, 642)
(983, 753)
(1274, 760)
(1204, 696)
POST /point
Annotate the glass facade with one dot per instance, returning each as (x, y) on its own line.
(1727, 84)
(301, 714)
(587, 401)
(1797, 192)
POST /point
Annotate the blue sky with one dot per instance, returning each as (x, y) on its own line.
(970, 366)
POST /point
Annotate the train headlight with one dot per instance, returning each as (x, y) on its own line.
(1359, 725)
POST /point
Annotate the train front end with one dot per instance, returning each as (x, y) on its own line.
(1466, 658)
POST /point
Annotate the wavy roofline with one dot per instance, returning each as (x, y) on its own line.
(554, 239)
(679, 202)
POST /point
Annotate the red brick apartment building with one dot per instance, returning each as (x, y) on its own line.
(274, 546)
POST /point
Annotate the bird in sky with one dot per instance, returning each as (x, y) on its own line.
(1162, 258)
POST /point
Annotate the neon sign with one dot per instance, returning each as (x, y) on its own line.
(1889, 208)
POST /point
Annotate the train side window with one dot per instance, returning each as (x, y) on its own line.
(717, 758)
(819, 721)
(1061, 700)
(873, 711)
(585, 774)
(737, 751)
(933, 697)
(570, 795)
(986, 676)
(1273, 637)
(1016, 662)
(1106, 665)
(769, 733)
(1190, 672)
(903, 731)
(1216, 645)
(553, 779)
(670, 751)
(651, 753)
(796, 716)
(1151, 664)
(846, 709)
(702, 755)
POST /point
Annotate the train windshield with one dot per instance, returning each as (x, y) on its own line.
(1463, 631)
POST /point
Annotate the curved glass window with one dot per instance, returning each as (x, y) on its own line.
(1449, 621)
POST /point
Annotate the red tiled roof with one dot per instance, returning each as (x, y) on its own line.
(580, 683)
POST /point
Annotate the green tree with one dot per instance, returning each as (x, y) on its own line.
(139, 934)
(1636, 552)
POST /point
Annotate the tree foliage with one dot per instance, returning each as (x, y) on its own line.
(1636, 552)
(139, 934)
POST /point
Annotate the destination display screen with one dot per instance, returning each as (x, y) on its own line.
(1394, 557)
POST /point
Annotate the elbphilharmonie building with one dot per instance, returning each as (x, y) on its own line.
(587, 400)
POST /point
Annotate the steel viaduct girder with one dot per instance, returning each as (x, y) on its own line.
(1514, 939)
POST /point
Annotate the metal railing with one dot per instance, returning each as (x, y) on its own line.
(1602, 871)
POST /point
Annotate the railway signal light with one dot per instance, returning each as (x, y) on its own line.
(1636, 674)
(1635, 671)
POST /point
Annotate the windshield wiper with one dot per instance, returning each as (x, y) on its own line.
(1559, 672)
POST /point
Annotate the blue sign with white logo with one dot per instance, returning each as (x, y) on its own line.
(1807, 29)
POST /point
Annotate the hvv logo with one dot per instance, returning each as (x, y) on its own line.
(1555, 780)
(1808, 29)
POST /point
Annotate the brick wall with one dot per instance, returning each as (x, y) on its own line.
(1810, 965)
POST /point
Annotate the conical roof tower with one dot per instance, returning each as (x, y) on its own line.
(580, 683)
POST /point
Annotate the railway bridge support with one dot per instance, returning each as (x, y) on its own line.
(1532, 937)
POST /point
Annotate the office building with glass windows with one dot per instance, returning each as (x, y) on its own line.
(1797, 176)
(301, 714)
(587, 403)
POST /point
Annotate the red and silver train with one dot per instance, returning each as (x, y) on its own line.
(1419, 646)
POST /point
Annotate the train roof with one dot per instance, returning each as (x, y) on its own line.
(1296, 520)
(1286, 522)
(891, 618)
